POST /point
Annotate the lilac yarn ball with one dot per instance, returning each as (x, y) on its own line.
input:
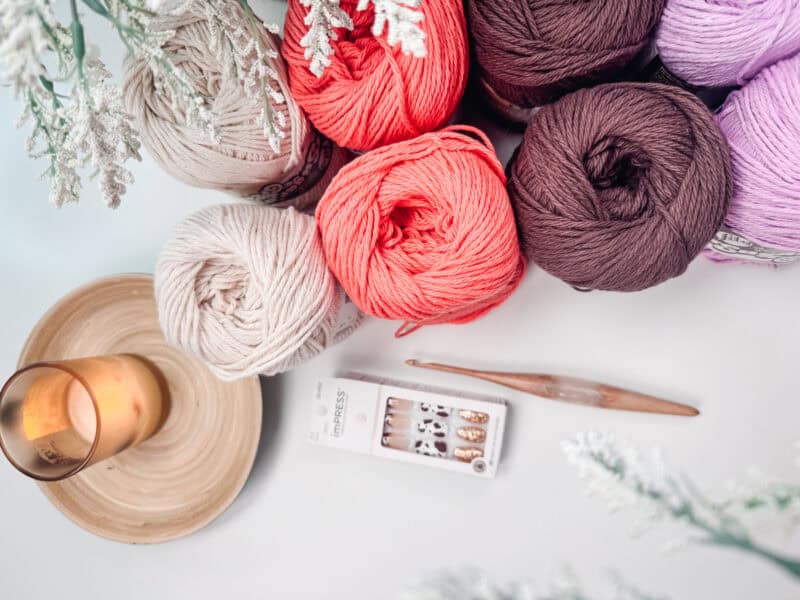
(762, 125)
(718, 43)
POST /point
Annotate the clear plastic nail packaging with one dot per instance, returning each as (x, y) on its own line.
(410, 423)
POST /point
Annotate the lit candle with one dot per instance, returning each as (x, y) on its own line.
(78, 412)
(80, 409)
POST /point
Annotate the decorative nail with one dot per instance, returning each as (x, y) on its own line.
(396, 442)
(467, 453)
(476, 435)
(397, 421)
(432, 427)
(474, 416)
(437, 409)
(431, 448)
(400, 405)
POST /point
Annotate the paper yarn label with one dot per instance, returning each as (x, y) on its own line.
(317, 159)
(734, 245)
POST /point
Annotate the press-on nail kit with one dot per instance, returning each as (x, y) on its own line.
(409, 423)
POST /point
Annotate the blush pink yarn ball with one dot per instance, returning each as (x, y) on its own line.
(245, 289)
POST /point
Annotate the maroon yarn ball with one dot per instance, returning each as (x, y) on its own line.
(533, 51)
(618, 187)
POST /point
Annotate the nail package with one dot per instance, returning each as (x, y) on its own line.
(416, 424)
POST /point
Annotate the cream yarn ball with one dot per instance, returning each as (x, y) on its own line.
(246, 289)
(242, 161)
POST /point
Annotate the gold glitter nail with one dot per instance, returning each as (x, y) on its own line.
(474, 416)
(467, 453)
(476, 435)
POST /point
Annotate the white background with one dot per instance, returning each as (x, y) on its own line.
(315, 523)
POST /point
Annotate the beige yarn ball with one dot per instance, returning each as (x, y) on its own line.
(246, 289)
(243, 161)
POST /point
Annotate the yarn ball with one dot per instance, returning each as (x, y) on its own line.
(618, 187)
(423, 230)
(372, 93)
(242, 161)
(532, 52)
(246, 289)
(722, 43)
(762, 125)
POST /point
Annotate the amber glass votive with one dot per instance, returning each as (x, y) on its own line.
(57, 418)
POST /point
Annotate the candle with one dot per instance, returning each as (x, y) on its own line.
(77, 412)
(80, 409)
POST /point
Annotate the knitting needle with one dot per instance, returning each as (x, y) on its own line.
(570, 389)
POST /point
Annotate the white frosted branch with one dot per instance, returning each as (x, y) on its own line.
(402, 20)
(323, 18)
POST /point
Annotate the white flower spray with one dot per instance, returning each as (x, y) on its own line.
(75, 109)
(399, 17)
(323, 18)
(402, 23)
(251, 60)
(473, 584)
(626, 478)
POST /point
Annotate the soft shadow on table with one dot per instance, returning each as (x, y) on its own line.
(272, 402)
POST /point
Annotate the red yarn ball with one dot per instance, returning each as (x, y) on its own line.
(372, 94)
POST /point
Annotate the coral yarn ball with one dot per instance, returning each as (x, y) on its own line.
(372, 94)
(423, 230)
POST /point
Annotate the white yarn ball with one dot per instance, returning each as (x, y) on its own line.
(246, 289)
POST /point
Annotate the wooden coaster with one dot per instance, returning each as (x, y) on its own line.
(190, 471)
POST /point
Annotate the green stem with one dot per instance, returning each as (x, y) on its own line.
(78, 39)
(789, 565)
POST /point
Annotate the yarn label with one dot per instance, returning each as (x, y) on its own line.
(735, 246)
(317, 159)
(506, 108)
(657, 72)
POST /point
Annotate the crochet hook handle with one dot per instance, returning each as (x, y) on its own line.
(571, 389)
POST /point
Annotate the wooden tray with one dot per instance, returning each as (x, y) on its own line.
(190, 471)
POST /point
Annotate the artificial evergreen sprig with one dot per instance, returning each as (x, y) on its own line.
(473, 584)
(251, 61)
(400, 18)
(324, 17)
(621, 474)
(75, 109)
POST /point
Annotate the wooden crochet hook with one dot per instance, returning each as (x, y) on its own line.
(570, 389)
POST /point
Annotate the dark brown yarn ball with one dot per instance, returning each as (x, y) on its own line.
(618, 187)
(533, 51)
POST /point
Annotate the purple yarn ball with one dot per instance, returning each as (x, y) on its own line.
(726, 42)
(762, 125)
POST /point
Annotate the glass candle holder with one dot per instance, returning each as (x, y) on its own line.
(57, 418)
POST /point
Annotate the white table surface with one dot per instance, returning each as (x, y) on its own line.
(315, 523)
